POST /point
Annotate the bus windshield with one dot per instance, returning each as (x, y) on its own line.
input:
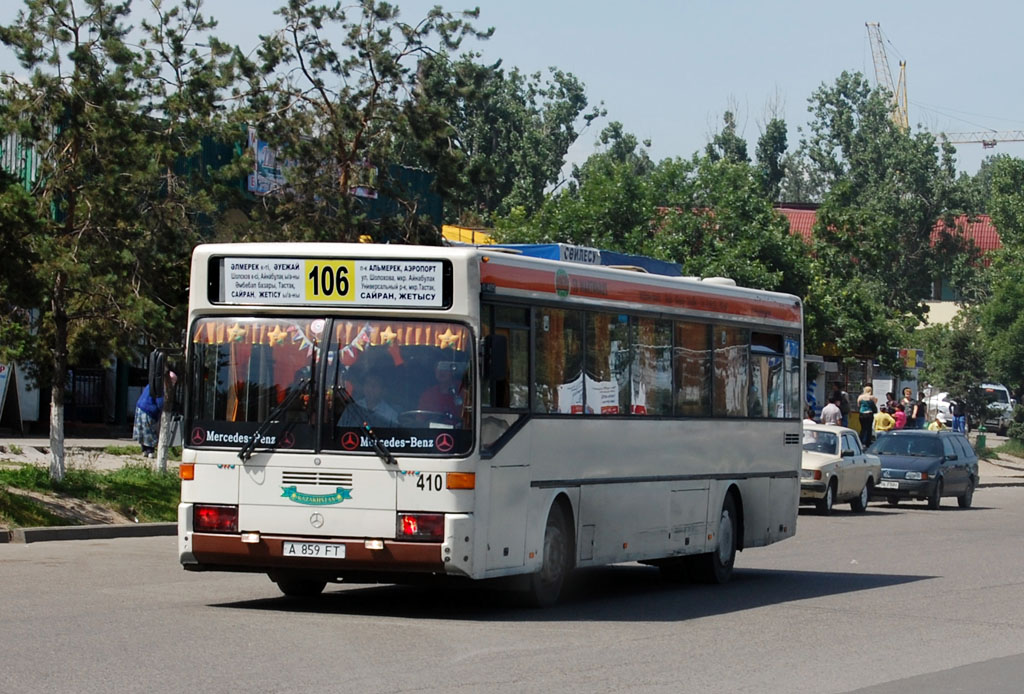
(409, 382)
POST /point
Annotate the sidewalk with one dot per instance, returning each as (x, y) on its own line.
(82, 453)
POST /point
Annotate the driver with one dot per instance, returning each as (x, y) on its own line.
(447, 395)
(370, 407)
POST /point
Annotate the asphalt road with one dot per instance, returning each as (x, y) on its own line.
(895, 600)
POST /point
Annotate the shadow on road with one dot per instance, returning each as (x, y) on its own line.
(626, 592)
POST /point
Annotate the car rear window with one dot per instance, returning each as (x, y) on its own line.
(907, 445)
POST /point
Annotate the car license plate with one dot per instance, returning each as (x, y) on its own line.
(314, 550)
(888, 484)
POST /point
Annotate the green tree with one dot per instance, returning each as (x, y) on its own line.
(727, 144)
(709, 214)
(106, 208)
(955, 358)
(497, 140)
(874, 235)
(770, 153)
(1002, 315)
(330, 90)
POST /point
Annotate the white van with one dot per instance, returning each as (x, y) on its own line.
(1001, 406)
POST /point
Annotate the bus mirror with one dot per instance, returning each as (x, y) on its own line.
(157, 363)
(496, 357)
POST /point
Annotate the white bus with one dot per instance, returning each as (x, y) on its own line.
(369, 413)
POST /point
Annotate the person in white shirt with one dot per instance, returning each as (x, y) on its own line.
(831, 414)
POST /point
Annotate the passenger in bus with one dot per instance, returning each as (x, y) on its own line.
(447, 395)
(369, 405)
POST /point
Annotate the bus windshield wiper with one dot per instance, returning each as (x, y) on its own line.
(250, 446)
(378, 447)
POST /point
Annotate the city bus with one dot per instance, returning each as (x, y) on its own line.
(386, 413)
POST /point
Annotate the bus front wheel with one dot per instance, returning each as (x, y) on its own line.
(716, 566)
(556, 562)
(295, 587)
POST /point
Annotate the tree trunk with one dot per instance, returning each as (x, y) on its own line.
(59, 354)
(166, 416)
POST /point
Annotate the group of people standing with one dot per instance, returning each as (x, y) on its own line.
(907, 413)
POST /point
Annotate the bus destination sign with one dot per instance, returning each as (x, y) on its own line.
(298, 281)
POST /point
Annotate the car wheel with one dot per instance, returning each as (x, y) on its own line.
(967, 498)
(824, 504)
(936, 496)
(556, 563)
(716, 567)
(860, 504)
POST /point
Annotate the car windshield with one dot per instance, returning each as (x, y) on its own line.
(907, 445)
(996, 395)
(820, 441)
(348, 385)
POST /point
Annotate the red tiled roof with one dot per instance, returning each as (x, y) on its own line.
(801, 218)
(981, 231)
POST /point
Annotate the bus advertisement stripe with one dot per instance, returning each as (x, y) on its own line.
(507, 276)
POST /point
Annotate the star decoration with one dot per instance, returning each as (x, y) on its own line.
(388, 335)
(447, 338)
(236, 333)
(277, 336)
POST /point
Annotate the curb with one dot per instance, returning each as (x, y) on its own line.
(88, 532)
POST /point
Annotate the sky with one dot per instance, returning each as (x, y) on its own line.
(668, 70)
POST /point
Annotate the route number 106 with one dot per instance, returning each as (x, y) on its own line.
(329, 280)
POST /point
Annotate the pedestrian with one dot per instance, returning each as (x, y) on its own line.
(842, 399)
(867, 406)
(809, 415)
(900, 415)
(883, 421)
(939, 423)
(147, 420)
(890, 402)
(920, 412)
(959, 412)
(831, 414)
(907, 400)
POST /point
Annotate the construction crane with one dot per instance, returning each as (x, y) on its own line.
(986, 138)
(883, 76)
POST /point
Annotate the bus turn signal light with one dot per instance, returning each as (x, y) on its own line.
(461, 480)
(187, 471)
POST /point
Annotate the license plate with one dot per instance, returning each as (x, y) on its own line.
(888, 484)
(314, 550)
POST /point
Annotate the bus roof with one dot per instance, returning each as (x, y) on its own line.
(509, 274)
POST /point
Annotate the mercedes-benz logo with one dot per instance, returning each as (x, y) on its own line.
(317, 520)
(198, 436)
(444, 443)
(349, 441)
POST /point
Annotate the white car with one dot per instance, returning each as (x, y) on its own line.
(836, 469)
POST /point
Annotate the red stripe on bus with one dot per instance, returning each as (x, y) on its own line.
(543, 282)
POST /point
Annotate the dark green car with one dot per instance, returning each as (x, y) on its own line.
(925, 465)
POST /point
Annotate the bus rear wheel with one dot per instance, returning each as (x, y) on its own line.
(556, 563)
(716, 567)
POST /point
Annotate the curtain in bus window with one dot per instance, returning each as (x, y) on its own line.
(246, 367)
(558, 346)
(794, 397)
(607, 364)
(651, 376)
(731, 347)
(692, 357)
